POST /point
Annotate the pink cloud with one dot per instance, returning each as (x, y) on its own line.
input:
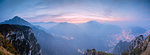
(74, 20)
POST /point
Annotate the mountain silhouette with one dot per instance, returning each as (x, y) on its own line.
(42, 37)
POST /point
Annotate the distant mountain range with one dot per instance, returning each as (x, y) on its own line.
(17, 20)
(87, 35)
(53, 37)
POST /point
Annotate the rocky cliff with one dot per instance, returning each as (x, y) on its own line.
(122, 46)
(43, 38)
(18, 40)
(138, 46)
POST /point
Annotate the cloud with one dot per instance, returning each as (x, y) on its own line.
(68, 38)
(81, 51)
(133, 11)
(125, 35)
(107, 12)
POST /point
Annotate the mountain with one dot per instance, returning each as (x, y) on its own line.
(146, 46)
(17, 20)
(138, 46)
(136, 43)
(84, 36)
(45, 25)
(42, 37)
(66, 29)
(87, 35)
(18, 40)
(121, 47)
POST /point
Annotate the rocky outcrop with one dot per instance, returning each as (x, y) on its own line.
(19, 40)
(146, 46)
(42, 37)
(122, 46)
(136, 43)
(94, 52)
(138, 46)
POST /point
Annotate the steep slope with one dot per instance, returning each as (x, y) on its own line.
(45, 25)
(42, 37)
(66, 29)
(84, 36)
(142, 47)
(122, 46)
(146, 46)
(3, 51)
(19, 40)
(17, 20)
(138, 46)
(137, 43)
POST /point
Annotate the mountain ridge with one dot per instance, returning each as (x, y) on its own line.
(41, 35)
(17, 20)
(138, 46)
(19, 40)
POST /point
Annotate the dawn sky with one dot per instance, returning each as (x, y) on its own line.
(76, 11)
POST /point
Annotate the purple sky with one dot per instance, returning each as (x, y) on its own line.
(77, 11)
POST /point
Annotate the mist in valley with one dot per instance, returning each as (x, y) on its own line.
(76, 38)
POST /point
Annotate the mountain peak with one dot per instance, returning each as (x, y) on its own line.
(17, 20)
(16, 17)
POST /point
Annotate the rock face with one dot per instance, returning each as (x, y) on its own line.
(42, 37)
(146, 46)
(122, 46)
(136, 45)
(140, 46)
(20, 38)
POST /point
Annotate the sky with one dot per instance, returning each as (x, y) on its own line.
(77, 11)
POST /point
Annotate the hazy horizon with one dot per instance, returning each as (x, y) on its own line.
(77, 11)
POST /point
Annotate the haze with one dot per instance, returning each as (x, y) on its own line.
(77, 25)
